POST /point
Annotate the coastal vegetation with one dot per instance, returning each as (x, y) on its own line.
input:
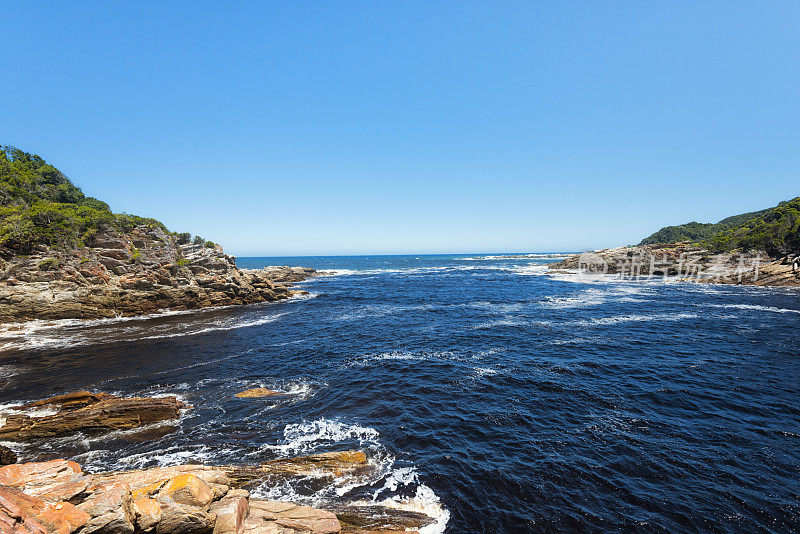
(39, 205)
(774, 230)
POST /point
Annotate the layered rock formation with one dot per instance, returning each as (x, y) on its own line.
(58, 497)
(88, 412)
(131, 273)
(689, 263)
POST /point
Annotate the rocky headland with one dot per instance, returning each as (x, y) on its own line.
(758, 248)
(686, 262)
(65, 255)
(132, 273)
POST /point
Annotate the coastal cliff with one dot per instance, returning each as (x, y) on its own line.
(65, 255)
(132, 273)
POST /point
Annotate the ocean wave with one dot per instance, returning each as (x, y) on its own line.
(310, 435)
(502, 322)
(424, 500)
(618, 319)
(221, 326)
(40, 334)
(754, 307)
(398, 482)
(533, 256)
(406, 357)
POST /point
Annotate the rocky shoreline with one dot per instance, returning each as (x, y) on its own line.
(57, 496)
(132, 273)
(686, 262)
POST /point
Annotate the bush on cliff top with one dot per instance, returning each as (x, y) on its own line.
(775, 231)
(39, 205)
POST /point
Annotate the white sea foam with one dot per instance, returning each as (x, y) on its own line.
(754, 307)
(484, 371)
(412, 357)
(502, 322)
(424, 500)
(221, 326)
(168, 457)
(617, 319)
(310, 435)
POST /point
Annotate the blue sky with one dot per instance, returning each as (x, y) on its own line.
(283, 128)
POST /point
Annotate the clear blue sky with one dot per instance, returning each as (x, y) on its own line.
(281, 128)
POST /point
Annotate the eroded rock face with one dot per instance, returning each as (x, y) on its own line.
(23, 513)
(133, 273)
(89, 412)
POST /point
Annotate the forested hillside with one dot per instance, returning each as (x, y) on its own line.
(773, 230)
(39, 205)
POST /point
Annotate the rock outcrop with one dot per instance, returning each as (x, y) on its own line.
(257, 393)
(689, 263)
(133, 273)
(58, 497)
(88, 412)
(7, 456)
(333, 464)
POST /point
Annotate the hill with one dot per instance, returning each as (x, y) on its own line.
(39, 205)
(66, 255)
(775, 231)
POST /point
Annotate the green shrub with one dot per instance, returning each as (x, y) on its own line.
(183, 262)
(210, 244)
(38, 204)
(775, 231)
(49, 264)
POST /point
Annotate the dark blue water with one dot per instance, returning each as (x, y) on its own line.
(486, 392)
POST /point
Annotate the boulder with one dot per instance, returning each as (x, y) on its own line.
(54, 481)
(7, 456)
(24, 513)
(187, 489)
(180, 518)
(146, 513)
(88, 412)
(231, 513)
(286, 517)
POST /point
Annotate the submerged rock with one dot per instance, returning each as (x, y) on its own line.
(89, 412)
(378, 519)
(258, 392)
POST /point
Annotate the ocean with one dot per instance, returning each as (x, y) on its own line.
(486, 392)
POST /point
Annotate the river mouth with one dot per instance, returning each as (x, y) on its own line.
(485, 391)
